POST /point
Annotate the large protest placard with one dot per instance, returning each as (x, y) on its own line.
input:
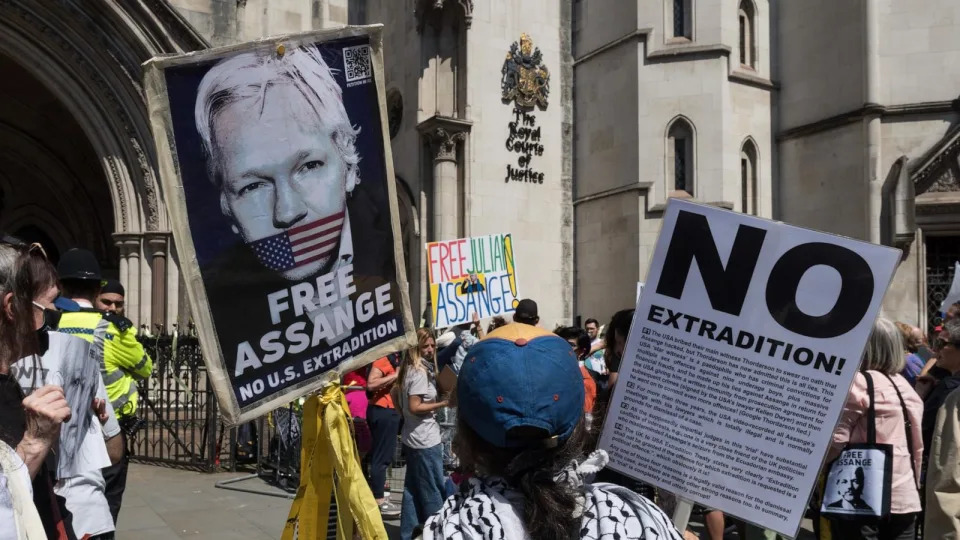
(278, 176)
(472, 275)
(743, 347)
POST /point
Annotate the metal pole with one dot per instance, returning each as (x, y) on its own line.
(681, 516)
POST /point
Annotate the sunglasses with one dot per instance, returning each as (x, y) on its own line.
(24, 248)
(941, 343)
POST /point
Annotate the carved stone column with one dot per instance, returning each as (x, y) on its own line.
(446, 183)
(444, 136)
(124, 268)
(130, 246)
(158, 243)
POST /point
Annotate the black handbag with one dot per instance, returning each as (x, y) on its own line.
(859, 480)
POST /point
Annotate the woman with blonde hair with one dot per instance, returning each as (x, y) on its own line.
(424, 484)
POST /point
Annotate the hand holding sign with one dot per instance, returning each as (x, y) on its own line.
(471, 276)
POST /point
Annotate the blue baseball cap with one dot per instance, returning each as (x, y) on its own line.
(520, 376)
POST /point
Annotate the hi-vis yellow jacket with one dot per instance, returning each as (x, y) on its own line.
(122, 358)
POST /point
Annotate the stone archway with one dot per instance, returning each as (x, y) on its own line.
(86, 55)
(53, 190)
(935, 180)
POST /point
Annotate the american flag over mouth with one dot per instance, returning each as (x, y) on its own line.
(300, 245)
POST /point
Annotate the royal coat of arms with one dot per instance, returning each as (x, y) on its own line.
(525, 80)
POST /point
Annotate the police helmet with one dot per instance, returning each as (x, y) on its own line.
(78, 264)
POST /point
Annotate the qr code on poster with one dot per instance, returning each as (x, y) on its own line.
(356, 62)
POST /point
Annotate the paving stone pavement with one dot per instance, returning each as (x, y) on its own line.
(164, 503)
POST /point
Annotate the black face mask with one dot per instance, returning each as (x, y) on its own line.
(43, 339)
(51, 319)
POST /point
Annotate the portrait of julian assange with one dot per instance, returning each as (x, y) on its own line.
(284, 177)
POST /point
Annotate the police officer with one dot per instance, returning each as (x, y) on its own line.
(111, 298)
(123, 359)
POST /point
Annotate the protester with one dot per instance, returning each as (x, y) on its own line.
(384, 422)
(577, 338)
(123, 361)
(914, 364)
(29, 426)
(448, 343)
(522, 438)
(355, 389)
(467, 336)
(948, 367)
(526, 312)
(932, 374)
(918, 339)
(574, 336)
(616, 341)
(883, 359)
(942, 511)
(592, 326)
(495, 323)
(952, 311)
(424, 485)
(82, 450)
(594, 361)
(111, 297)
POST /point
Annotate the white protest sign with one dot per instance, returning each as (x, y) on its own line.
(737, 366)
(472, 276)
(953, 295)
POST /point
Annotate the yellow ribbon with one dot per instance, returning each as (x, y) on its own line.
(329, 448)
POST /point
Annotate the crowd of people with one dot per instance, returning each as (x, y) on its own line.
(69, 365)
(523, 461)
(514, 457)
(912, 382)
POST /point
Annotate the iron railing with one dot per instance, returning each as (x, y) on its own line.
(182, 428)
(179, 410)
(942, 253)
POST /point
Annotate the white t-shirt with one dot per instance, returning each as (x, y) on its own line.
(81, 483)
(419, 431)
(84, 495)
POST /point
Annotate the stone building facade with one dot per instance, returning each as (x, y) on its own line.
(841, 116)
(838, 116)
(667, 105)
(867, 134)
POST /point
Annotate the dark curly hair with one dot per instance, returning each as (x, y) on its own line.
(549, 507)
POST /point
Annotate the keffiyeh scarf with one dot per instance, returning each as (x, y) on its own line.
(489, 509)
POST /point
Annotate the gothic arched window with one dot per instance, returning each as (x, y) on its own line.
(748, 177)
(681, 169)
(679, 19)
(746, 16)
